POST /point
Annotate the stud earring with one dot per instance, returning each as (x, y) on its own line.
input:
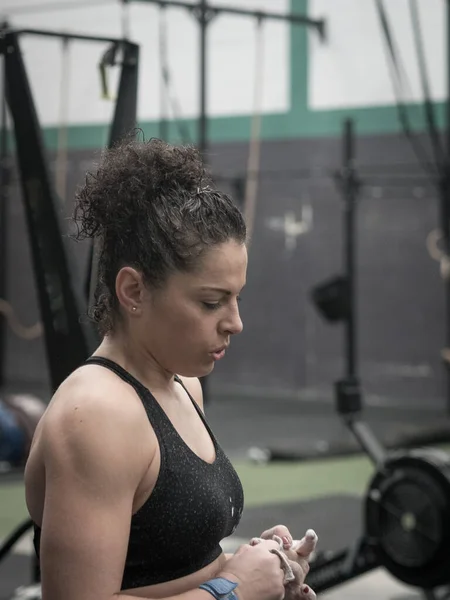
(133, 308)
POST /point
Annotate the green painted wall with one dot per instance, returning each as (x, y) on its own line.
(308, 123)
(299, 122)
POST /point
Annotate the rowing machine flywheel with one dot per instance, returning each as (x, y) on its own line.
(407, 516)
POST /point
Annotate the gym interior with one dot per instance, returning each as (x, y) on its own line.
(328, 121)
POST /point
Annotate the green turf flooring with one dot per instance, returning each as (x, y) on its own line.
(12, 506)
(271, 483)
(284, 482)
(263, 484)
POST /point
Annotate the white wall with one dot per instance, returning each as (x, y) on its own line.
(351, 69)
(231, 59)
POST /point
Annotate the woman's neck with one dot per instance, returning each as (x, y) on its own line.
(138, 361)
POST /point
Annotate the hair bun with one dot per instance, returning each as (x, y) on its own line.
(132, 174)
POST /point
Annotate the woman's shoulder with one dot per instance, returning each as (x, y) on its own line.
(98, 392)
(93, 407)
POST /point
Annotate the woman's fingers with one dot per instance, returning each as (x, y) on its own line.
(280, 531)
(307, 544)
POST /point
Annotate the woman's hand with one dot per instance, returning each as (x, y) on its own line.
(297, 589)
(257, 571)
(299, 553)
(295, 550)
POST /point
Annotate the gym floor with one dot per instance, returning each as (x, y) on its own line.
(324, 493)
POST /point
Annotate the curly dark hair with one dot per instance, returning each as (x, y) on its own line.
(153, 206)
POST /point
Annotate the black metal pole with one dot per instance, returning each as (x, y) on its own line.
(349, 397)
(203, 120)
(4, 184)
(445, 212)
(349, 247)
(70, 36)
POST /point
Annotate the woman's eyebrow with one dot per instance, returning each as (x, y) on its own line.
(215, 289)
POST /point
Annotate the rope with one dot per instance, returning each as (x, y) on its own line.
(168, 93)
(254, 155)
(399, 81)
(439, 153)
(25, 333)
(61, 153)
(125, 18)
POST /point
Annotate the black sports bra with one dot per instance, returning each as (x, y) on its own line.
(193, 507)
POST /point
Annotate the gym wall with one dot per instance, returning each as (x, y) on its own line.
(230, 62)
(309, 87)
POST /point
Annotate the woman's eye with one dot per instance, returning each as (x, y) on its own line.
(211, 306)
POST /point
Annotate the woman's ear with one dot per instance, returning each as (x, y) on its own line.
(130, 290)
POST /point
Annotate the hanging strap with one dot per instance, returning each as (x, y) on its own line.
(61, 153)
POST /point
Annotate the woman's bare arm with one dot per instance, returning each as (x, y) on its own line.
(94, 460)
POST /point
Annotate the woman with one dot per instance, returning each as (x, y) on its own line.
(128, 489)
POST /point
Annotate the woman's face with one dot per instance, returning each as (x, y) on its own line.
(188, 323)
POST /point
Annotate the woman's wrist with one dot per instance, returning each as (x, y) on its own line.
(221, 587)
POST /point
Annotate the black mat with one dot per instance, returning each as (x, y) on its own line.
(14, 572)
(336, 520)
(300, 430)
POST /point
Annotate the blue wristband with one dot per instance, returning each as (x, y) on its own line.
(220, 588)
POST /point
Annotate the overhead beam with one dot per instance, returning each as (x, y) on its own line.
(68, 35)
(318, 24)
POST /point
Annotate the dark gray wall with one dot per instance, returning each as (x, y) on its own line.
(286, 348)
